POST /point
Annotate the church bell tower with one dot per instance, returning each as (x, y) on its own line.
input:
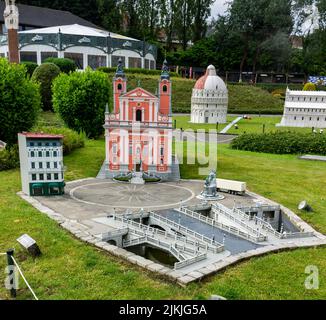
(119, 85)
(165, 91)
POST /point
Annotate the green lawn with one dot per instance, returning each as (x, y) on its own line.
(70, 269)
(183, 122)
(253, 125)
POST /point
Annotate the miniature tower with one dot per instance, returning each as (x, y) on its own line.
(165, 89)
(119, 85)
(11, 16)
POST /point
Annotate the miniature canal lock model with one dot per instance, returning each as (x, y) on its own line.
(41, 164)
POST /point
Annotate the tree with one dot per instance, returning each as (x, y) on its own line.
(202, 10)
(80, 99)
(44, 75)
(20, 101)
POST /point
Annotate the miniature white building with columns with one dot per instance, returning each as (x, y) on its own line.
(305, 109)
(209, 102)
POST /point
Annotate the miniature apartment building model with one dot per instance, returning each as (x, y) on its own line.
(41, 164)
(139, 130)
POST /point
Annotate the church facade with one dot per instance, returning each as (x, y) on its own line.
(139, 130)
(305, 109)
(209, 102)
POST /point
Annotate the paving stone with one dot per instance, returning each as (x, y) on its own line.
(195, 274)
(174, 274)
(185, 280)
(205, 271)
(164, 271)
(155, 267)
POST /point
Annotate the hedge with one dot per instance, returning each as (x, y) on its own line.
(282, 142)
(136, 71)
(44, 75)
(64, 64)
(71, 141)
(9, 158)
(30, 67)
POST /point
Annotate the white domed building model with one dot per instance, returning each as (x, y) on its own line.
(209, 102)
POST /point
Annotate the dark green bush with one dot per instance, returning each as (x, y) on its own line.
(136, 71)
(282, 142)
(20, 101)
(71, 140)
(80, 99)
(30, 67)
(64, 64)
(9, 158)
(44, 75)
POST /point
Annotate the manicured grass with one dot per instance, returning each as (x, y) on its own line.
(254, 125)
(183, 122)
(242, 99)
(69, 269)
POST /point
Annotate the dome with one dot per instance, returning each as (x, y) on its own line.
(210, 81)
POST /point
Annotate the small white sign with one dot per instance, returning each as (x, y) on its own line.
(26, 241)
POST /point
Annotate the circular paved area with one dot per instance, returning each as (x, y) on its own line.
(119, 195)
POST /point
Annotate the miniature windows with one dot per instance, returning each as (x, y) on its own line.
(56, 176)
(40, 165)
(32, 154)
(33, 165)
(48, 176)
(55, 164)
(119, 86)
(47, 154)
(34, 177)
(41, 177)
(165, 88)
(40, 154)
(48, 166)
(55, 153)
(162, 151)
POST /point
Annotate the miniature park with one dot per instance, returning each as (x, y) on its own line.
(124, 177)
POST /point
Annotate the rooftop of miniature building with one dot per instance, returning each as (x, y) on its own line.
(41, 135)
(79, 30)
(210, 81)
(306, 93)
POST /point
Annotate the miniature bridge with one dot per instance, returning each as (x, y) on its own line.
(186, 245)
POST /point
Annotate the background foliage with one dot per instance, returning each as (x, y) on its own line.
(20, 101)
(80, 99)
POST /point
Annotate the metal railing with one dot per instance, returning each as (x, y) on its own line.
(220, 209)
(115, 233)
(190, 261)
(142, 230)
(222, 226)
(209, 244)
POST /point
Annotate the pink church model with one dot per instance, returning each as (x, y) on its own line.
(139, 131)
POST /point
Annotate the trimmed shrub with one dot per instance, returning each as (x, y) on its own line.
(282, 142)
(9, 158)
(309, 87)
(80, 99)
(64, 64)
(71, 141)
(136, 71)
(44, 75)
(30, 67)
(20, 101)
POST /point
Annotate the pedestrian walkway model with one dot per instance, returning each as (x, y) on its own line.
(187, 246)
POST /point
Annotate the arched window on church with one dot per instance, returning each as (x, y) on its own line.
(119, 86)
(139, 115)
(165, 88)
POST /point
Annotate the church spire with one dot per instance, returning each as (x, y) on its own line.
(165, 74)
(120, 72)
